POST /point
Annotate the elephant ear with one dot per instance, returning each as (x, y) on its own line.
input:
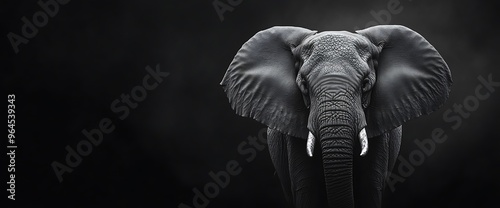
(412, 78)
(260, 81)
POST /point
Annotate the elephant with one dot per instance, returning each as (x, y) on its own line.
(343, 91)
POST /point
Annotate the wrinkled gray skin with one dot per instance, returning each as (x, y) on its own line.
(336, 72)
(303, 177)
(333, 85)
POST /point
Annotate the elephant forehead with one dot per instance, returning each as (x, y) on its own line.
(338, 44)
(337, 51)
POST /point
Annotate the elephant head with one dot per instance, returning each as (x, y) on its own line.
(338, 87)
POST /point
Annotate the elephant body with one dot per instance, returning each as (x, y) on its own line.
(349, 90)
(302, 177)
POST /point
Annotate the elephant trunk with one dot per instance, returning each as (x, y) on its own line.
(337, 128)
(337, 155)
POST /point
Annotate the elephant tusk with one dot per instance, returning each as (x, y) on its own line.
(363, 139)
(310, 144)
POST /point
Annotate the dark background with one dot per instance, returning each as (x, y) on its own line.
(91, 52)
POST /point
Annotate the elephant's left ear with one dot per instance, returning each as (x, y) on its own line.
(412, 78)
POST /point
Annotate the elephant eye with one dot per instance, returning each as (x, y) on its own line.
(366, 84)
(306, 88)
(302, 84)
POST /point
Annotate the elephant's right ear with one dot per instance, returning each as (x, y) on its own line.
(260, 81)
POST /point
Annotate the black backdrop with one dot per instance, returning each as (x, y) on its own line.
(90, 52)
